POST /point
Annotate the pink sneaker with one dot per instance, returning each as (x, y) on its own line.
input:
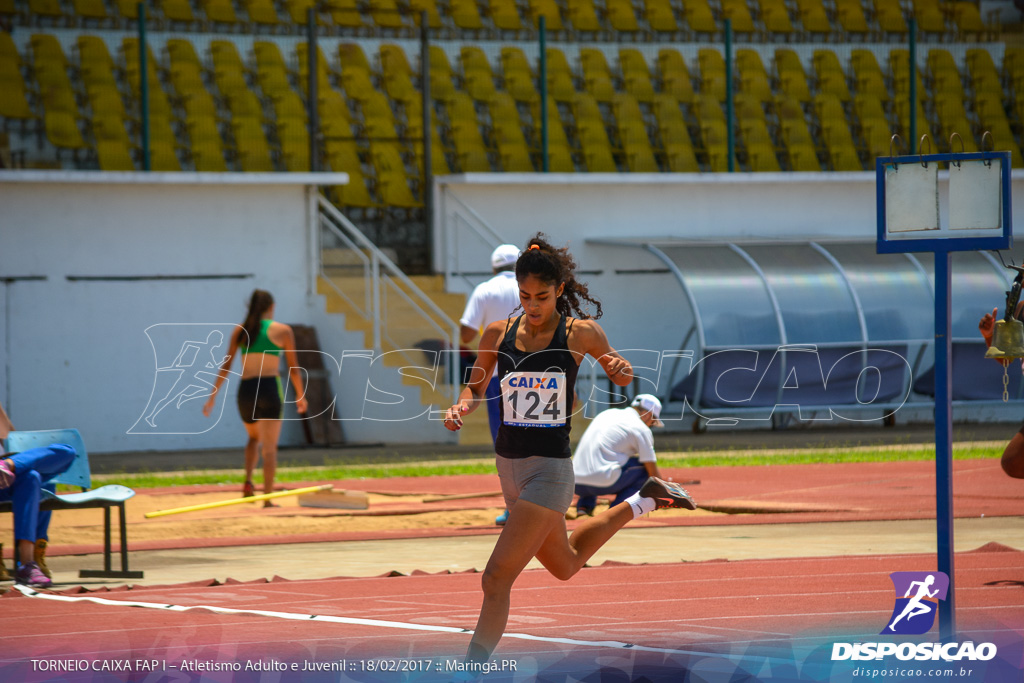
(29, 574)
(6, 474)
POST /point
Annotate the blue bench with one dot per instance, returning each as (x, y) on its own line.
(78, 474)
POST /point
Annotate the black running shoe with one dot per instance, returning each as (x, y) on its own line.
(667, 494)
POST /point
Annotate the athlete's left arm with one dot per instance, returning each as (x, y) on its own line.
(589, 338)
(294, 369)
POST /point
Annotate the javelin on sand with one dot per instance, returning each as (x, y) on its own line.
(236, 501)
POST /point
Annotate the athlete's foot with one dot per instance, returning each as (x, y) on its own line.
(270, 504)
(667, 494)
(248, 490)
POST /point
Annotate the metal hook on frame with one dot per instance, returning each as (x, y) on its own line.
(962, 148)
(920, 145)
(895, 136)
(988, 134)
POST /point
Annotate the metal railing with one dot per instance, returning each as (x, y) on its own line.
(463, 219)
(381, 280)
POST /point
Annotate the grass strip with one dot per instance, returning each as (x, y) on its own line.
(486, 465)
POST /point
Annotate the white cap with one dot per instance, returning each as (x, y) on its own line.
(648, 402)
(505, 255)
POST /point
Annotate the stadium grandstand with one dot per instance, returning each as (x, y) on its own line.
(631, 87)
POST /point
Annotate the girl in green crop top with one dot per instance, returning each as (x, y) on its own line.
(260, 395)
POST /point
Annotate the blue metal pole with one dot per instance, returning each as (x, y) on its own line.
(545, 162)
(944, 441)
(730, 118)
(143, 87)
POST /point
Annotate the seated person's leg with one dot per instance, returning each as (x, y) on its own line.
(48, 461)
(1013, 456)
(633, 476)
(587, 500)
(43, 535)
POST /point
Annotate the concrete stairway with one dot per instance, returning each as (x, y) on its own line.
(404, 329)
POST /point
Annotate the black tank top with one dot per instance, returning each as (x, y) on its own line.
(537, 390)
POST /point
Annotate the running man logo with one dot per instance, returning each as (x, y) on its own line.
(914, 612)
(187, 358)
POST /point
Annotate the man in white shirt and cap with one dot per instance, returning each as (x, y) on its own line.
(492, 300)
(615, 455)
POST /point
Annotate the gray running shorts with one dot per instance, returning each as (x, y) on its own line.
(547, 482)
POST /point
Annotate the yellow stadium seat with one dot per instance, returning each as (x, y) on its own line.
(251, 145)
(177, 10)
(288, 105)
(899, 66)
(762, 159)
(636, 76)
(585, 108)
(560, 159)
(106, 101)
(712, 72)
(199, 103)
(831, 78)
(385, 14)
(813, 16)
(595, 147)
(877, 138)
(397, 73)
(180, 50)
(867, 107)
(752, 75)
(163, 157)
(803, 157)
(791, 75)
(636, 147)
(547, 9)
(738, 12)
(681, 159)
(505, 15)
(219, 11)
(186, 77)
(901, 105)
(442, 85)
(982, 69)
(929, 16)
(465, 15)
(45, 8)
(46, 49)
(660, 16)
(968, 18)
(62, 130)
(245, 104)
(14, 104)
(209, 159)
(944, 73)
(867, 74)
(675, 76)
(129, 9)
(775, 16)
(560, 79)
(748, 107)
(851, 16)
(597, 76)
(430, 7)
(90, 9)
(699, 16)
(621, 16)
(346, 13)
(107, 127)
(708, 108)
(114, 155)
(556, 131)
(262, 12)
(890, 16)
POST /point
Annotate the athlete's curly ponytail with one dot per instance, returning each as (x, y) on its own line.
(554, 265)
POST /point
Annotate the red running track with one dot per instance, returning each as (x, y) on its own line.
(692, 621)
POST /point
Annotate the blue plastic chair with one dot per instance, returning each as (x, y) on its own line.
(78, 474)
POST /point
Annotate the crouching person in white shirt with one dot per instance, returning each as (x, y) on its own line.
(615, 456)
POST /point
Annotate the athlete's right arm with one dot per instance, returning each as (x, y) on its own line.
(479, 377)
(222, 375)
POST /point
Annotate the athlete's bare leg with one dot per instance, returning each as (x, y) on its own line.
(535, 531)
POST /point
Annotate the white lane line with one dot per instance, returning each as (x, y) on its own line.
(166, 607)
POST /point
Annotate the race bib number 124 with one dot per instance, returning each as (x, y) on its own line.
(534, 399)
